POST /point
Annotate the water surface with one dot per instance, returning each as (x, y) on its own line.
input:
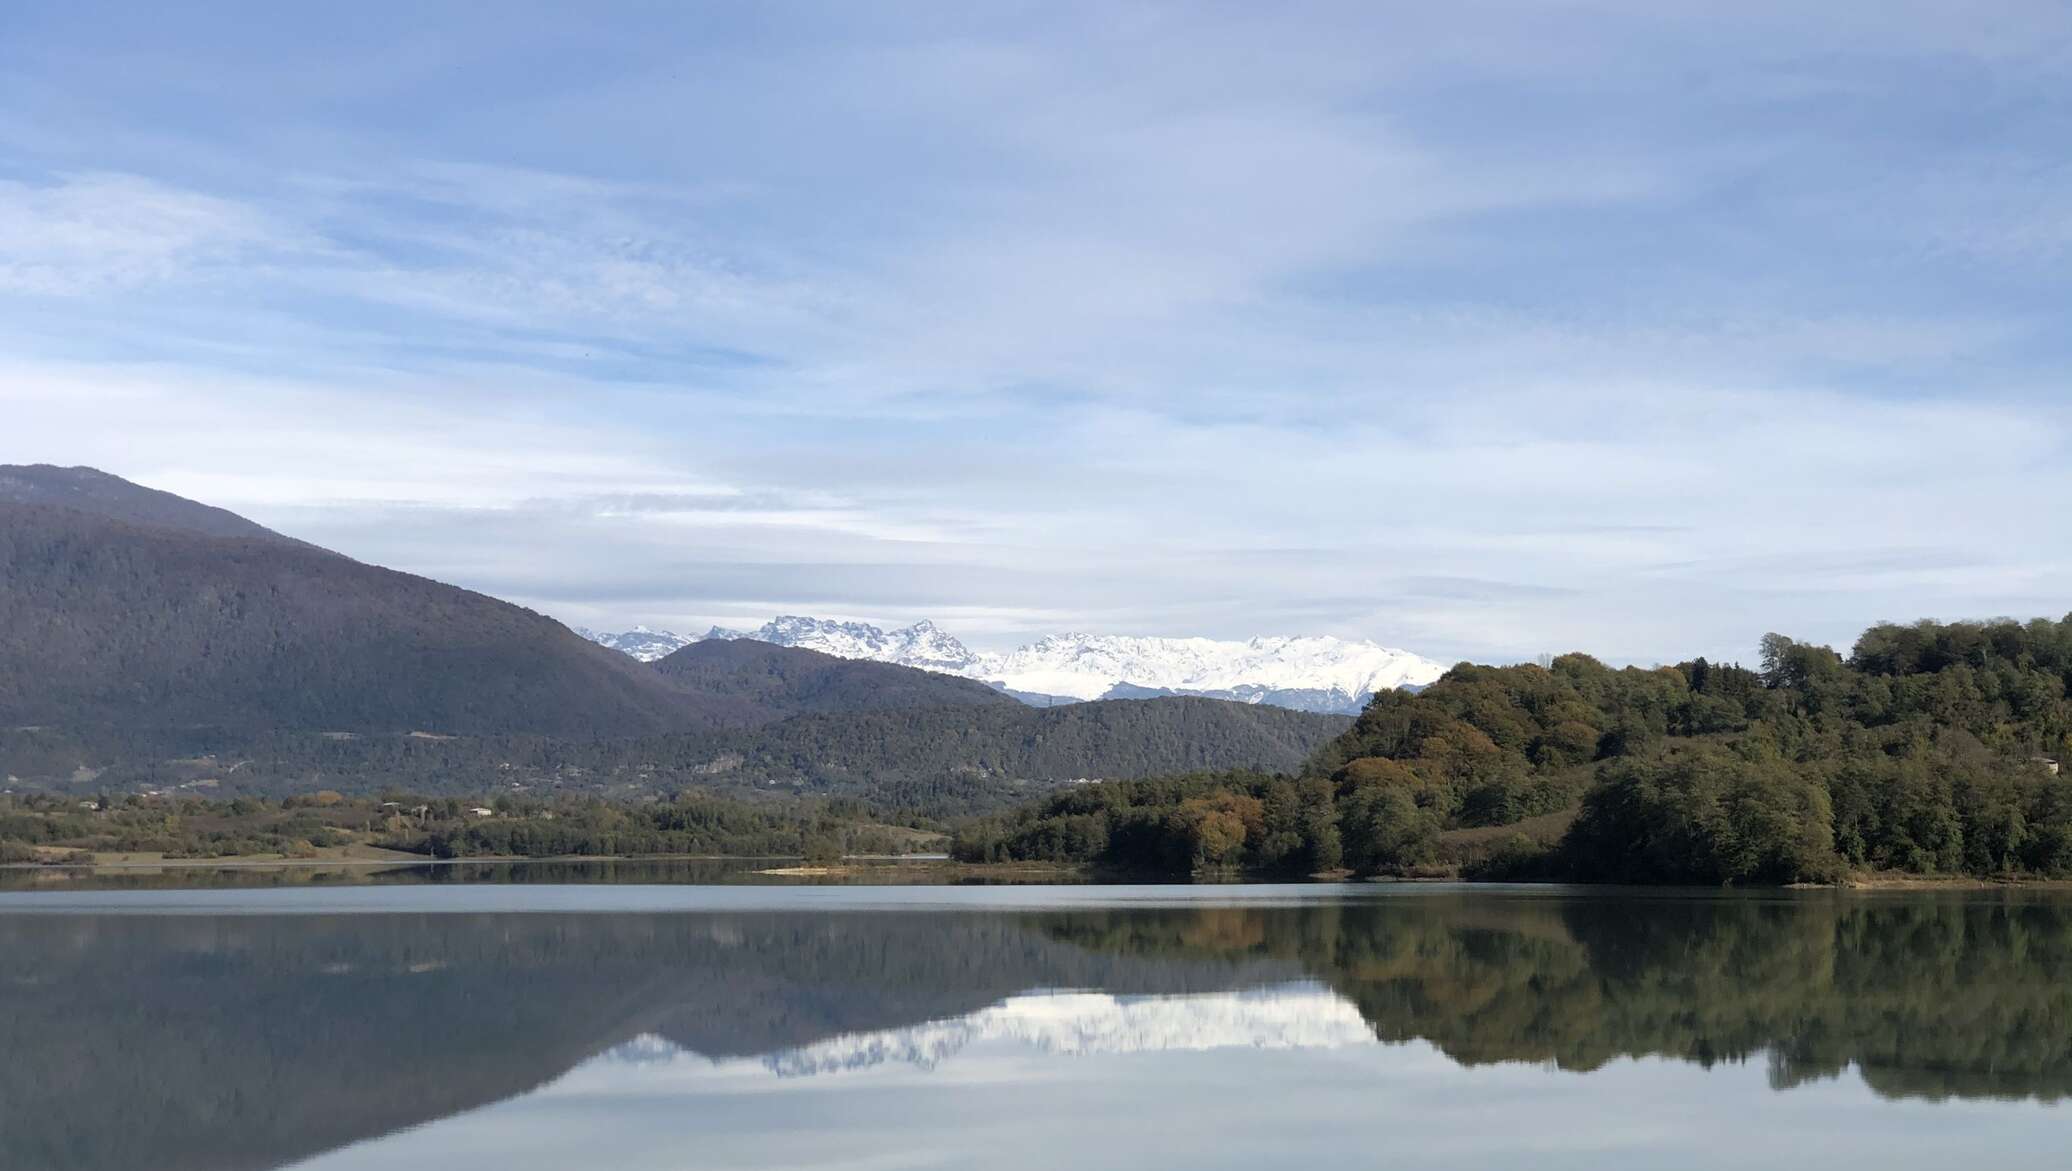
(551, 1026)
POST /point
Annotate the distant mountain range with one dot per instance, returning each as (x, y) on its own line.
(1315, 674)
(147, 640)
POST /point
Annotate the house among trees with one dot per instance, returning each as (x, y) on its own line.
(2049, 763)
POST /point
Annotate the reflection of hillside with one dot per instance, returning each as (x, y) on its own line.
(176, 1042)
(1925, 996)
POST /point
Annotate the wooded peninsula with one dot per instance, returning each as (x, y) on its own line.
(1932, 749)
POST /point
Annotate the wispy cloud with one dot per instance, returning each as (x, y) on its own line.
(84, 234)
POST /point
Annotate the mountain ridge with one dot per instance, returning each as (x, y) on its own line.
(98, 493)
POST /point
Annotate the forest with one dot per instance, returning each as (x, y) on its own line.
(1930, 749)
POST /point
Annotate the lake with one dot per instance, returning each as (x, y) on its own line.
(564, 1025)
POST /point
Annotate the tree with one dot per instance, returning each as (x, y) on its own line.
(1704, 816)
(1385, 828)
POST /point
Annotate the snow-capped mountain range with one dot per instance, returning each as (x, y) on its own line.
(1318, 673)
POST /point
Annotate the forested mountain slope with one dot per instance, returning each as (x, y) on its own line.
(96, 492)
(1107, 739)
(105, 622)
(933, 762)
(783, 681)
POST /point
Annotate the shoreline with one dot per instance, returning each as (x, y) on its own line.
(940, 868)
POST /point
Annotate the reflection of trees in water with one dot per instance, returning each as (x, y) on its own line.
(1928, 996)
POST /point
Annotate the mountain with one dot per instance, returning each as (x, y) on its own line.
(130, 609)
(875, 754)
(922, 645)
(781, 681)
(1317, 674)
(646, 645)
(147, 640)
(942, 761)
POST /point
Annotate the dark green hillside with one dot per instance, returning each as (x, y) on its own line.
(784, 681)
(1928, 750)
(1109, 738)
(935, 762)
(106, 624)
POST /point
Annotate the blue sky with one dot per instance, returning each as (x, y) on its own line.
(1481, 329)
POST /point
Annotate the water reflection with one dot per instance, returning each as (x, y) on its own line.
(1301, 1016)
(251, 1041)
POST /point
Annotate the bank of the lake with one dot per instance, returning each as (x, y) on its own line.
(346, 868)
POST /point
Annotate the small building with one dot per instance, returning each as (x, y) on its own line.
(2049, 763)
(479, 811)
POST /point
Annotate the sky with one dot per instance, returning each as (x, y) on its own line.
(1485, 330)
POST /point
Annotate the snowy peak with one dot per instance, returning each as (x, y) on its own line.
(1310, 673)
(1089, 666)
(640, 642)
(922, 645)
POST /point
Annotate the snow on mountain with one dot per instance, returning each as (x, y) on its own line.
(1290, 1016)
(640, 642)
(1318, 673)
(922, 645)
(1090, 666)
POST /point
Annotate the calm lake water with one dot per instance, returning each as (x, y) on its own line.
(599, 1026)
